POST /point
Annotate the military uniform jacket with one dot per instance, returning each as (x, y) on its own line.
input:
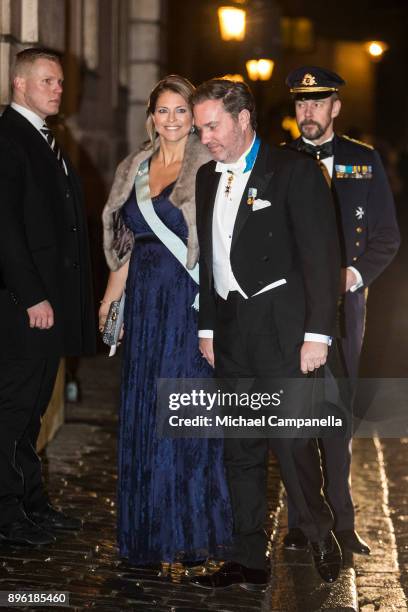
(291, 239)
(369, 234)
(367, 229)
(43, 247)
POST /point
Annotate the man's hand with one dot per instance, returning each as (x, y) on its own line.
(348, 279)
(207, 350)
(41, 315)
(312, 356)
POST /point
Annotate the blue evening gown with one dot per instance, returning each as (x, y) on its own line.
(173, 501)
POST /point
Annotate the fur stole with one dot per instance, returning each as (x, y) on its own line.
(118, 240)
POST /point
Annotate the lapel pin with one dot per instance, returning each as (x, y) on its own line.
(252, 191)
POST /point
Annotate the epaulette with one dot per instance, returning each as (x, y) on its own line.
(363, 144)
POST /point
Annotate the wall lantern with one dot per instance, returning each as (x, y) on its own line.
(232, 22)
(260, 70)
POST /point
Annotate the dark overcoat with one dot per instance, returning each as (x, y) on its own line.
(43, 247)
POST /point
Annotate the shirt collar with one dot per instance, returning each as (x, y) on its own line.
(321, 143)
(245, 162)
(28, 114)
(243, 157)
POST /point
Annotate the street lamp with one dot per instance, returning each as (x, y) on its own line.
(232, 22)
(263, 39)
(260, 69)
(260, 52)
(376, 49)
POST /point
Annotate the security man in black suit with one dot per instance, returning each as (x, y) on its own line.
(369, 239)
(45, 290)
(269, 276)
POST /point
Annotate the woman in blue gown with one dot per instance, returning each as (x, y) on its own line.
(172, 494)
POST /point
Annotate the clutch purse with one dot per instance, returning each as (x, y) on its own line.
(113, 324)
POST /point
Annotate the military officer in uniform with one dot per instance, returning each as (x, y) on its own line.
(369, 239)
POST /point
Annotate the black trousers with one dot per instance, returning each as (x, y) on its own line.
(25, 390)
(336, 451)
(336, 460)
(246, 344)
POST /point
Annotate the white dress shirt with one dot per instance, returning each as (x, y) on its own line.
(225, 213)
(328, 162)
(31, 116)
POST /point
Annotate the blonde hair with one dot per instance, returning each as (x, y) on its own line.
(27, 57)
(172, 82)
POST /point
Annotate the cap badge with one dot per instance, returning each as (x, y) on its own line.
(309, 80)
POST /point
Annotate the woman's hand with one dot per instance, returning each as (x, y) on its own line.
(103, 313)
(114, 290)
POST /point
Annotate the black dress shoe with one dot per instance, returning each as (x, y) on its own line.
(50, 518)
(350, 540)
(327, 557)
(233, 573)
(24, 531)
(295, 539)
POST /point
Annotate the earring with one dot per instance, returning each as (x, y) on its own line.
(192, 131)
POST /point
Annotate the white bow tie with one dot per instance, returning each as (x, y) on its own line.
(236, 167)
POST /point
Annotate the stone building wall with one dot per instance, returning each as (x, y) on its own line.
(146, 60)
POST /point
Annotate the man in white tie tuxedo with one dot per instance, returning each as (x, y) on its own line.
(269, 278)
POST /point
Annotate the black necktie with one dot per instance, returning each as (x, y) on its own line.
(318, 151)
(53, 144)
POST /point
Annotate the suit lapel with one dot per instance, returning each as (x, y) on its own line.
(31, 134)
(295, 144)
(208, 208)
(259, 179)
(336, 160)
(340, 157)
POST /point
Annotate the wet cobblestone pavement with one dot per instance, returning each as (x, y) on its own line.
(378, 577)
(80, 467)
(395, 454)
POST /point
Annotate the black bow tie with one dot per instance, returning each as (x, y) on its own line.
(319, 151)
